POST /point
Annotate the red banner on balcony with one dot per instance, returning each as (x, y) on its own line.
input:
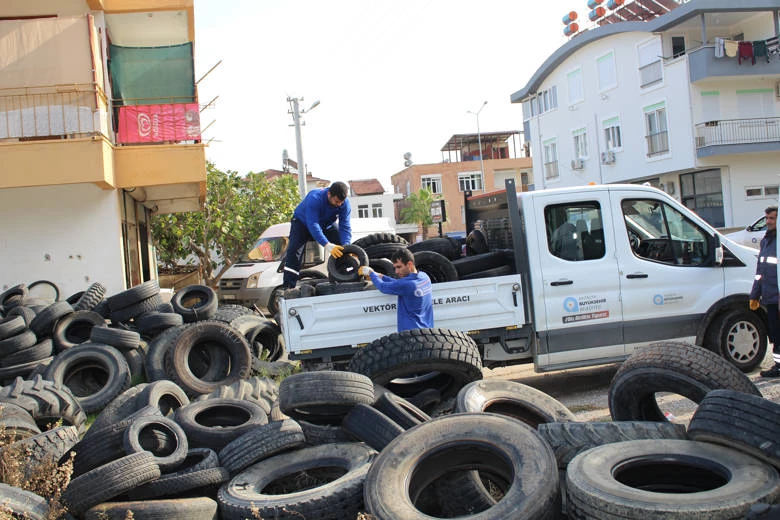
(159, 123)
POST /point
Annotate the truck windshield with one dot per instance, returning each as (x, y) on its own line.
(270, 249)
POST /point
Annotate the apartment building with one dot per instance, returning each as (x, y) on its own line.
(99, 130)
(688, 101)
(463, 169)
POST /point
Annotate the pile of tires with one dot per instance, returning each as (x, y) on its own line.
(411, 430)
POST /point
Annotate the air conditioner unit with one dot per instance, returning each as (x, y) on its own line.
(607, 157)
(577, 164)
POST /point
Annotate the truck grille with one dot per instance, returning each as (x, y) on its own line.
(230, 284)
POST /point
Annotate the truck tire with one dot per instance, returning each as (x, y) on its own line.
(512, 399)
(345, 269)
(438, 267)
(264, 341)
(522, 463)
(154, 364)
(740, 421)
(196, 508)
(11, 326)
(324, 397)
(680, 368)
(118, 338)
(501, 270)
(409, 361)
(445, 246)
(90, 298)
(245, 496)
(568, 439)
(261, 443)
(43, 449)
(46, 401)
(380, 238)
(468, 265)
(670, 479)
(75, 329)
(213, 423)
(134, 295)
(476, 243)
(118, 409)
(382, 266)
(16, 423)
(400, 410)
(195, 303)
(152, 323)
(143, 435)
(741, 338)
(19, 503)
(369, 425)
(40, 350)
(96, 374)
(43, 323)
(383, 250)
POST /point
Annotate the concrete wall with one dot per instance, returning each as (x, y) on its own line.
(69, 235)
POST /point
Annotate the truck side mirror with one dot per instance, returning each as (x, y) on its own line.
(716, 250)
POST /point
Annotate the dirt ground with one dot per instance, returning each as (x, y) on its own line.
(585, 390)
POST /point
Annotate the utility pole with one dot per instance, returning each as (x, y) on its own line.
(296, 113)
(479, 141)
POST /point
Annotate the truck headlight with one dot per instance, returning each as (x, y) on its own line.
(251, 282)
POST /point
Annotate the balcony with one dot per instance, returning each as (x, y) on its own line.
(651, 74)
(703, 64)
(62, 134)
(737, 136)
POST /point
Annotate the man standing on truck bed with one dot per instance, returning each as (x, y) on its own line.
(765, 287)
(415, 304)
(314, 219)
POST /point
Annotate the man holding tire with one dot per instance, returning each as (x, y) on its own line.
(315, 219)
(765, 287)
(413, 288)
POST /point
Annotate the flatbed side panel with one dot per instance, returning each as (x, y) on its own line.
(357, 318)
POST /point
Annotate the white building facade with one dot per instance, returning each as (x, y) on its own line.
(665, 102)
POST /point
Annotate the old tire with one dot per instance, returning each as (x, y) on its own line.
(409, 361)
(670, 479)
(740, 421)
(345, 269)
(337, 499)
(324, 397)
(144, 433)
(512, 399)
(195, 303)
(437, 266)
(679, 368)
(521, 463)
(261, 443)
(213, 423)
(195, 508)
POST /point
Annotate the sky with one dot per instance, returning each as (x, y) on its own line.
(391, 76)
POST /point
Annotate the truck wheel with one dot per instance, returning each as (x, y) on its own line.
(380, 238)
(409, 361)
(671, 479)
(324, 397)
(273, 300)
(437, 266)
(680, 368)
(741, 338)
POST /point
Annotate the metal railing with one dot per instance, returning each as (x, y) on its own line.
(651, 73)
(63, 111)
(657, 143)
(738, 131)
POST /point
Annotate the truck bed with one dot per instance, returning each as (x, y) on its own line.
(354, 319)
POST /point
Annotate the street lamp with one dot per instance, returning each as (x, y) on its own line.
(479, 140)
(296, 113)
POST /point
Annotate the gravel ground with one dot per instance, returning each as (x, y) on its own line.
(585, 390)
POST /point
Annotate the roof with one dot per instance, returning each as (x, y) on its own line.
(458, 141)
(366, 187)
(685, 12)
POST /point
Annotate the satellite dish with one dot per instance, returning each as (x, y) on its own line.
(285, 156)
(408, 155)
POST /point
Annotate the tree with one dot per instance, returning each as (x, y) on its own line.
(237, 210)
(419, 210)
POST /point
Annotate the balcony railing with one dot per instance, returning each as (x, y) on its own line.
(651, 73)
(551, 170)
(57, 111)
(657, 143)
(738, 131)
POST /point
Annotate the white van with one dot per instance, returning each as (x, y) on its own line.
(255, 279)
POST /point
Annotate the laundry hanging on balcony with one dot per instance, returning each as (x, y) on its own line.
(745, 52)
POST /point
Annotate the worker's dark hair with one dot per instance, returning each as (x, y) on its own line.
(770, 209)
(402, 255)
(339, 189)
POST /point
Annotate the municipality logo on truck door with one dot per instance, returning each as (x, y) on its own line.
(584, 308)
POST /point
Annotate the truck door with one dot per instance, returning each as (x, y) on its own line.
(667, 280)
(580, 286)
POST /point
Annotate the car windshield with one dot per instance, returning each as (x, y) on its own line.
(759, 225)
(270, 249)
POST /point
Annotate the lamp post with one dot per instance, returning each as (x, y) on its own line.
(479, 140)
(296, 113)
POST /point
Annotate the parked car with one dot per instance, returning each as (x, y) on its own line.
(750, 236)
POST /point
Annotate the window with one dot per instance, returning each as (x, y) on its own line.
(408, 188)
(574, 231)
(607, 71)
(432, 183)
(576, 88)
(656, 132)
(551, 159)
(755, 103)
(612, 138)
(650, 63)
(581, 143)
(470, 181)
(376, 210)
(544, 101)
(660, 233)
(678, 46)
(762, 192)
(362, 210)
